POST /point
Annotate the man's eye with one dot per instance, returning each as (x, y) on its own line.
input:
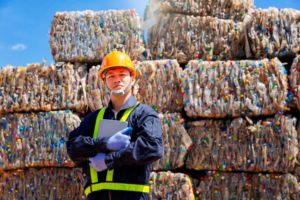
(110, 76)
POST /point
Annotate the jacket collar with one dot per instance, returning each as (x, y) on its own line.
(131, 101)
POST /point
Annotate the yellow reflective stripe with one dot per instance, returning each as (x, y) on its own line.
(98, 119)
(94, 175)
(109, 175)
(93, 172)
(127, 112)
(117, 186)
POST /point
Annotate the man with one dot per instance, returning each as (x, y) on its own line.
(118, 167)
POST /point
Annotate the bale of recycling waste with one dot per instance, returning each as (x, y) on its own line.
(220, 185)
(43, 184)
(36, 139)
(168, 185)
(87, 36)
(97, 95)
(157, 84)
(176, 142)
(229, 9)
(294, 79)
(272, 32)
(185, 37)
(268, 145)
(297, 166)
(234, 88)
(38, 87)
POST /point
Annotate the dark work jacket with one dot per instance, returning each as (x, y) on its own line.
(131, 165)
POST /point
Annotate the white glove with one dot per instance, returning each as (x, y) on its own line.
(98, 162)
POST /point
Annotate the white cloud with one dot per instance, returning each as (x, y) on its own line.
(19, 47)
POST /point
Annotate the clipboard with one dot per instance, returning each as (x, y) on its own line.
(108, 127)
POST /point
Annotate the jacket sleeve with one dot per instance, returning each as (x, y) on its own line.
(80, 144)
(147, 147)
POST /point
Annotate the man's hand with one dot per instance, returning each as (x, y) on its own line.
(98, 162)
(119, 140)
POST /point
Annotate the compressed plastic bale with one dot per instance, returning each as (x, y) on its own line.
(44, 184)
(185, 37)
(216, 185)
(158, 85)
(87, 36)
(234, 88)
(38, 87)
(35, 140)
(272, 32)
(295, 83)
(168, 185)
(297, 166)
(97, 95)
(176, 142)
(268, 145)
(229, 9)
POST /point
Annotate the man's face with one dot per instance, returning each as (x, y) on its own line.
(117, 78)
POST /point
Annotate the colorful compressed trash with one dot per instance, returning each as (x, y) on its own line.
(36, 139)
(87, 36)
(266, 145)
(234, 88)
(187, 37)
(272, 32)
(219, 185)
(38, 87)
(168, 185)
(294, 79)
(176, 142)
(42, 183)
(229, 9)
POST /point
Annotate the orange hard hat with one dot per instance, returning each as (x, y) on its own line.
(117, 59)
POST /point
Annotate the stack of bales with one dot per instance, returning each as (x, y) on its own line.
(38, 140)
(239, 143)
(235, 108)
(35, 119)
(33, 140)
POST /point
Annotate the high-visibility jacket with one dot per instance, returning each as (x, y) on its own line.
(129, 169)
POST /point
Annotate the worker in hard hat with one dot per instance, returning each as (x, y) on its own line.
(118, 166)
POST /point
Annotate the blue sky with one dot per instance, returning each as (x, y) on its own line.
(25, 24)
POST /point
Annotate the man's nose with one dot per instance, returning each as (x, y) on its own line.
(118, 78)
